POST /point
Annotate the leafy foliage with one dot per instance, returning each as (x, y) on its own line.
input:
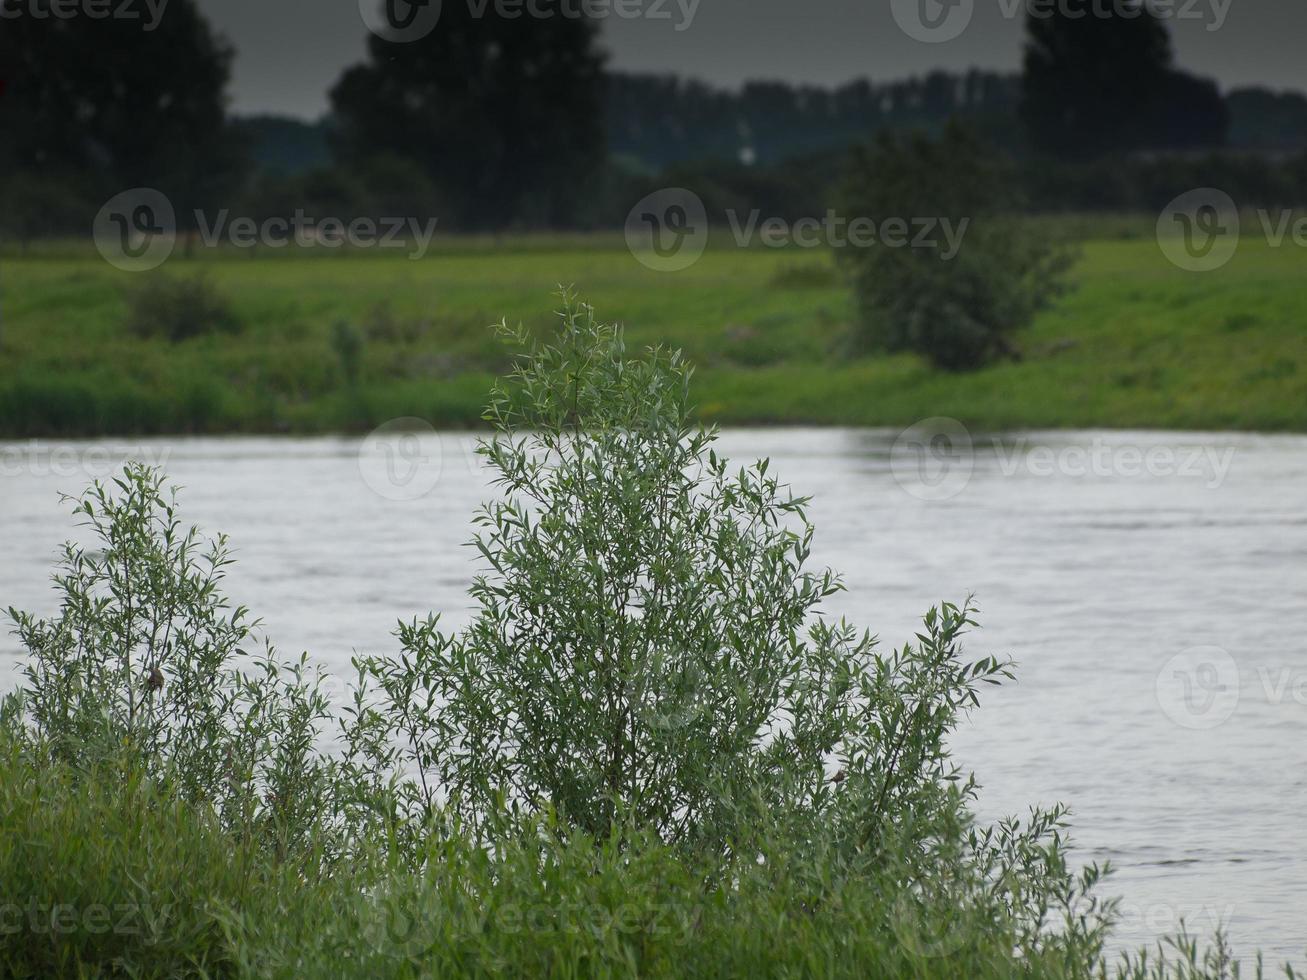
(144, 666)
(959, 310)
(107, 874)
(637, 652)
(648, 650)
(179, 309)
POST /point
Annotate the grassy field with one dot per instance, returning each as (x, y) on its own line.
(1139, 343)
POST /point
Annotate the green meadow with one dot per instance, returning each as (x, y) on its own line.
(1137, 343)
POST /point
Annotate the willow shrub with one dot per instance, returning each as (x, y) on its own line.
(648, 651)
(145, 667)
(959, 304)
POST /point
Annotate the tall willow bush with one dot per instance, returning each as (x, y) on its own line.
(648, 653)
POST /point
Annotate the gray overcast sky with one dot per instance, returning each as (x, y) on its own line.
(289, 52)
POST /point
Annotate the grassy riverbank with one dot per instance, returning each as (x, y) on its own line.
(649, 754)
(1139, 343)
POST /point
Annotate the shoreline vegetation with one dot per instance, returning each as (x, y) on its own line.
(648, 754)
(316, 341)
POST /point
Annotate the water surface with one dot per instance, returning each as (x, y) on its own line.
(1152, 586)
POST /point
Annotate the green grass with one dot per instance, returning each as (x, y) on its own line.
(106, 876)
(1139, 343)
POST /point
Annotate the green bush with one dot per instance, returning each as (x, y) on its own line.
(956, 305)
(179, 309)
(145, 665)
(648, 648)
(105, 874)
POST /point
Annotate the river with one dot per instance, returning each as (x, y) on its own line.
(1151, 586)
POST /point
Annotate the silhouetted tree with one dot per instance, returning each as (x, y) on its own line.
(656, 121)
(1263, 119)
(1189, 113)
(1099, 80)
(100, 105)
(504, 114)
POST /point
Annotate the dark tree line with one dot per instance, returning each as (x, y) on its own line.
(91, 107)
(493, 122)
(657, 121)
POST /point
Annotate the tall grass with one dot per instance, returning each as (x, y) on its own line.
(105, 874)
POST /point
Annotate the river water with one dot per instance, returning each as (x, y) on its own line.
(1151, 586)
